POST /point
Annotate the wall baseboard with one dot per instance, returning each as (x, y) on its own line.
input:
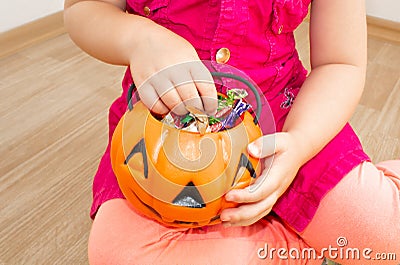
(53, 25)
(32, 33)
(383, 29)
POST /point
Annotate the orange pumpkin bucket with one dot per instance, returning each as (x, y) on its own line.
(179, 177)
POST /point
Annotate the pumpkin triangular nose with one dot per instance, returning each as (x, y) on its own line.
(189, 197)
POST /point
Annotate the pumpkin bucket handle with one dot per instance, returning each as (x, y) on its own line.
(132, 89)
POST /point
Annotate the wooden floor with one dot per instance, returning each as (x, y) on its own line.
(53, 113)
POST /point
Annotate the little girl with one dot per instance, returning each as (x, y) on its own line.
(322, 192)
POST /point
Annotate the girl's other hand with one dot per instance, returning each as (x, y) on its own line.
(258, 199)
(170, 75)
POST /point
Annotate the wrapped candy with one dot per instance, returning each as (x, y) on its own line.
(237, 111)
(230, 108)
(201, 119)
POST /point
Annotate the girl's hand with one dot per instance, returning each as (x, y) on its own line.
(258, 199)
(181, 77)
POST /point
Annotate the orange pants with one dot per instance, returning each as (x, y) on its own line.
(357, 222)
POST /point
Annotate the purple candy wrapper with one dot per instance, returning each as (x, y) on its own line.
(239, 109)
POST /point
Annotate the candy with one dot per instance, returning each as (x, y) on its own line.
(201, 119)
(220, 113)
(216, 127)
(192, 127)
(168, 119)
(230, 108)
(239, 109)
(236, 93)
(181, 122)
(212, 120)
(186, 119)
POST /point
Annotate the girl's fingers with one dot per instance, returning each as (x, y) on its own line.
(186, 88)
(150, 98)
(205, 85)
(268, 183)
(184, 84)
(248, 214)
(266, 187)
(168, 94)
(264, 146)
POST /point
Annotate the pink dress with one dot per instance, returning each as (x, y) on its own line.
(259, 35)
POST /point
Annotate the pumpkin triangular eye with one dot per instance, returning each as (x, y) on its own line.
(140, 147)
(189, 197)
(244, 162)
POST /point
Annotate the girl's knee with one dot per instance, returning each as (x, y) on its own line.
(364, 209)
(101, 249)
(114, 237)
(103, 245)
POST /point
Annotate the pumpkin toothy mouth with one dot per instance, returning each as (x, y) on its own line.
(188, 202)
(189, 197)
(180, 222)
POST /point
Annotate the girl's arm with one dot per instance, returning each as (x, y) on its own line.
(104, 30)
(333, 89)
(324, 104)
(100, 28)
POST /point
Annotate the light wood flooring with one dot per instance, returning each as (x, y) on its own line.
(53, 116)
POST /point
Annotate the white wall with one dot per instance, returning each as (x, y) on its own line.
(14, 13)
(386, 9)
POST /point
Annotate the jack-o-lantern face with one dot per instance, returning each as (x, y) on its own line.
(179, 177)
